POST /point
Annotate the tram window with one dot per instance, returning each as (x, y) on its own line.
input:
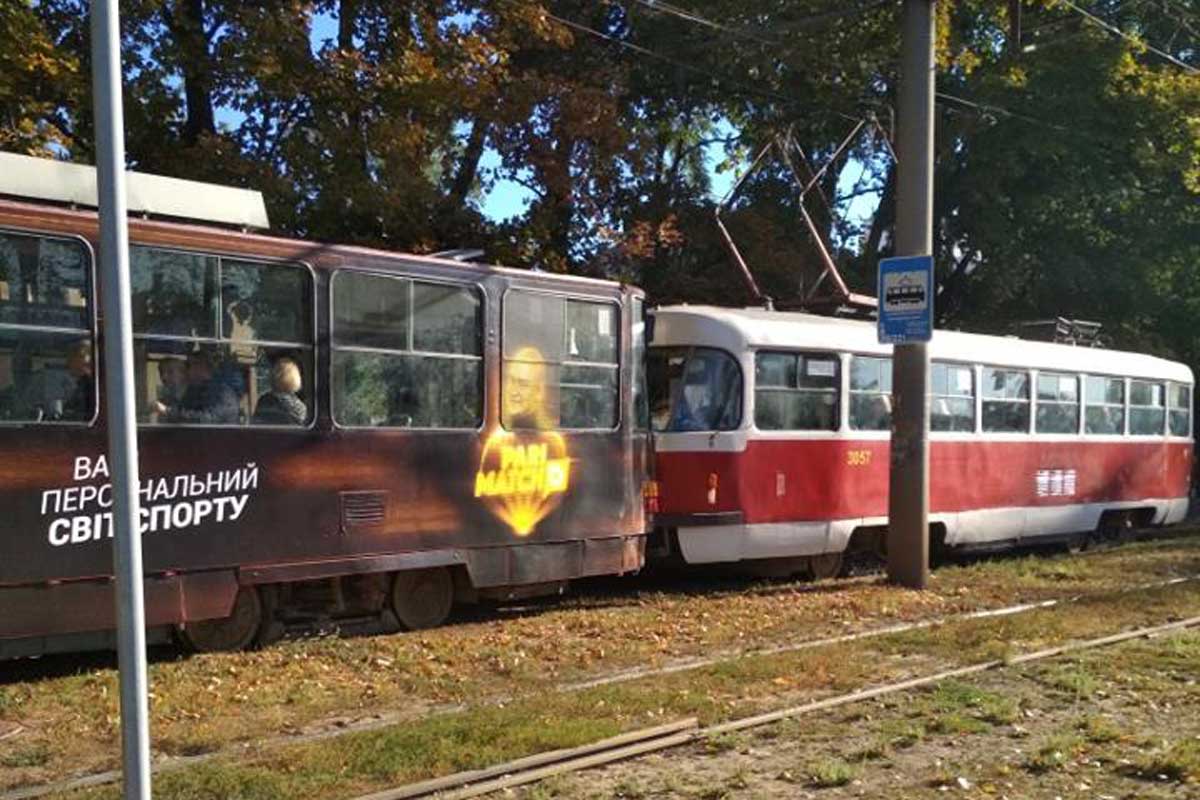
(694, 389)
(446, 319)
(1005, 401)
(371, 311)
(1057, 403)
(560, 362)
(870, 393)
(393, 390)
(44, 282)
(1147, 408)
(265, 302)
(46, 353)
(174, 293)
(952, 387)
(1180, 403)
(1105, 401)
(221, 341)
(407, 354)
(795, 391)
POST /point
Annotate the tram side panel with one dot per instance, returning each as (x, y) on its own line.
(224, 507)
(810, 494)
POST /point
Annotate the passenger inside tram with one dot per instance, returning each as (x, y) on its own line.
(282, 405)
(208, 400)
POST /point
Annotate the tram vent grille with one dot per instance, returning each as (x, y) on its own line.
(363, 509)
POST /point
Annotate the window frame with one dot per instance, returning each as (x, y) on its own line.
(848, 371)
(476, 286)
(836, 389)
(975, 397)
(617, 367)
(1191, 400)
(219, 341)
(1079, 403)
(1124, 405)
(93, 331)
(639, 379)
(1130, 406)
(1029, 373)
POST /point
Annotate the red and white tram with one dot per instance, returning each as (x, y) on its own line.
(772, 438)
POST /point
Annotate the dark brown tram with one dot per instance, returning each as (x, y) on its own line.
(326, 432)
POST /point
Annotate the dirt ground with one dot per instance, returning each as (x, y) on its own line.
(1116, 723)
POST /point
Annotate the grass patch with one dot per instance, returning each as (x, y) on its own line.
(540, 719)
(1099, 730)
(1075, 679)
(957, 724)
(722, 742)
(967, 701)
(1054, 753)
(24, 756)
(876, 749)
(826, 773)
(901, 733)
(1178, 762)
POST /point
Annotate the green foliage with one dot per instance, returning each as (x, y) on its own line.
(829, 772)
(1066, 185)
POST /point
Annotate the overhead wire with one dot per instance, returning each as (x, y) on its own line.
(719, 79)
(988, 108)
(1095, 20)
(637, 48)
(807, 21)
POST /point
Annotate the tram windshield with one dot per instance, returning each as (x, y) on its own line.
(694, 389)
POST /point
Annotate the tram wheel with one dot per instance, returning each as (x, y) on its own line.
(422, 598)
(236, 632)
(1119, 529)
(825, 566)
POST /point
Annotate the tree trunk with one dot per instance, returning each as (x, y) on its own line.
(560, 191)
(348, 11)
(187, 26)
(468, 167)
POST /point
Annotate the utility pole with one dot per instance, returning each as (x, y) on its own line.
(908, 485)
(119, 396)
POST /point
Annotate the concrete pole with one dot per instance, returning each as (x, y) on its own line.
(908, 497)
(119, 396)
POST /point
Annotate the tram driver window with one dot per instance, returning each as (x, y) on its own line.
(560, 362)
(952, 387)
(1057, 403)
(1147, 408)
(46, 359)
(796, 391)
(1105, 399)
(1005, 401)
(221, 341)
(694, 389)
(870, 393)
(1179, 399)
(406, 354)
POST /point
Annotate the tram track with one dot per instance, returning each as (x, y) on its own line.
(532, 769)
(382, 721)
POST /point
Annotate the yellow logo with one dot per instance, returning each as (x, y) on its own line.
(523, 477)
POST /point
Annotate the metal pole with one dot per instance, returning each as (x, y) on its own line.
(908, 497)
(119, 396)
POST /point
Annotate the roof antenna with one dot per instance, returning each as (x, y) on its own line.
(751, 284)
(839, 295)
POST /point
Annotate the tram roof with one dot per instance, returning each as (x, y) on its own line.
(35, 215)
(737, 329)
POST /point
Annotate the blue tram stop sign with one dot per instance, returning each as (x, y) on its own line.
(905, 293)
